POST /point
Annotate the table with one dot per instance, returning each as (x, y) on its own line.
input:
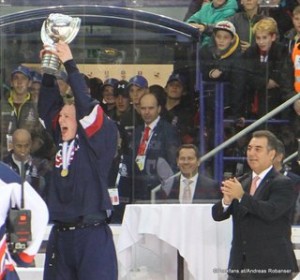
(150, 236)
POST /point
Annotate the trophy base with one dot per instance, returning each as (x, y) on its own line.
(50, 64)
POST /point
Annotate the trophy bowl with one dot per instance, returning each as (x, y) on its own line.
(57, 27)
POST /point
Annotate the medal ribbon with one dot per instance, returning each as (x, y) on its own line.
(67, 153)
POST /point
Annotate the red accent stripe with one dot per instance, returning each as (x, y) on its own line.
(2, 257)
(97, 124)
(55, 121)
(10, 267)
(26, 258)
(2, 250)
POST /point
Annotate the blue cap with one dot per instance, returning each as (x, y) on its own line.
(36, 77)
(110, 82)
(22, 69)
(176, 77)
(139, 81)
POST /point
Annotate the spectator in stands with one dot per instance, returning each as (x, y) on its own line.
(267, 72)
(209, 14)
(120, 175)
(160, 93)
(137, 86)
(292, 37)
(294, 47)
(108, 98)
(156, 142)
(122, 98)
(178, 112)
(282, 15)
(35, 169)
(18, 109)
(244, 21)
(220, 62)
(189, 186)
(96, 86)
(295, 116)
(260, 204)
(35, 86)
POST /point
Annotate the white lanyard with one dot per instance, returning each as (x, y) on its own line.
(66, 156)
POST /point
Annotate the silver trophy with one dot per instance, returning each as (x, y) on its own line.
(57, 27)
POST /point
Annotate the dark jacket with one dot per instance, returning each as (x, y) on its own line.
(261, 227)
(256, 74)
(83, 191)
(181, 118)
(243, 25)
(35, 171)
(160, 158)
(227, 61)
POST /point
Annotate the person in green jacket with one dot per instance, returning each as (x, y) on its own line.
(211, 13)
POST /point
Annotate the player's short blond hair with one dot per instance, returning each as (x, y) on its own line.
(267, 24)
(296, 10)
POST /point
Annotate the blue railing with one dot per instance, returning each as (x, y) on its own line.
(219, 121)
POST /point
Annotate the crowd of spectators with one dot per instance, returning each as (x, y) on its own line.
(254, 53)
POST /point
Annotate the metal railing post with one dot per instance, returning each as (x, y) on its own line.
(250, 127)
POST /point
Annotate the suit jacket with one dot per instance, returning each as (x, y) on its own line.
(261, 227)
(206, 189)
(160, 157)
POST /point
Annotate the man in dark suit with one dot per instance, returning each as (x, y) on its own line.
(156, 142)
(260, 204)
(202, 188)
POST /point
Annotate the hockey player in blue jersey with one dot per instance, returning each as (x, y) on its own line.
(10, 194)
(80, 244)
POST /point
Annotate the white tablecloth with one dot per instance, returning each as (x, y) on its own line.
(161, 230)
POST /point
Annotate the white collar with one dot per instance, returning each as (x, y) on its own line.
(262, 174)
(154, 123)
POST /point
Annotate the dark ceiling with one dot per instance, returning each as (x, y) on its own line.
(121, 3)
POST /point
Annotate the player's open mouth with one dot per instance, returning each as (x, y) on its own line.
(64, 130)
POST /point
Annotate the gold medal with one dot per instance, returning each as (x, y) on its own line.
(64, 172)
